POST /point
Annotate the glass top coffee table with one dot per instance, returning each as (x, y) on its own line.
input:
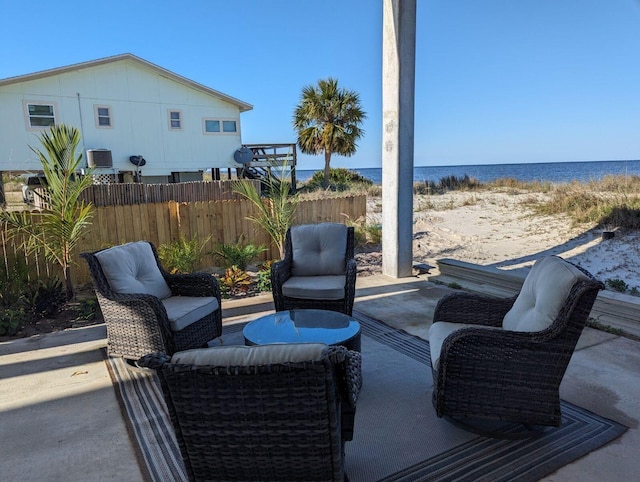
(304, 326)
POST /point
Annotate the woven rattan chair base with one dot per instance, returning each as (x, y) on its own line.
(482, 428)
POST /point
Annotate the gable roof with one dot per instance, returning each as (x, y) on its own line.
(243, 106)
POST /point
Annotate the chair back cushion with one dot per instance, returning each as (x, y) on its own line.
(233, 356)
(319, 249)
(132, 268)
(544, 292)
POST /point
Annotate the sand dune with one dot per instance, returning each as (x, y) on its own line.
(500, 229)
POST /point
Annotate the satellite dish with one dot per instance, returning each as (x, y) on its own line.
(137, 160)
(244, 155)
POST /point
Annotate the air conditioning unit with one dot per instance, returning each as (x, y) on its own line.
(99, 158)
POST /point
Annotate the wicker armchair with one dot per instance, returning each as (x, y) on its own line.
(146, 309)
(318, 270)
(272, 412)
(504, 359)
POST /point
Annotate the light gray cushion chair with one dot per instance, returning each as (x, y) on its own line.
(148, 310)
(272, 412)
(504, 359)
(318, 270)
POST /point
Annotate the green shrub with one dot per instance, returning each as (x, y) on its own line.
(264, 277)
(447, 183)
(424, 187)
(43, 298)
(184, 255)
(365, 232)
(13, 280)
(238, 254)
(340, 179)
(373, 233)
(10, 321)
(454, 285)
(87, 309)
(616, 284)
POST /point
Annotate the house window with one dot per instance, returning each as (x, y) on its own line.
(103, 116)
(40, 115)
(211, 126)
(229, 126)
(220, 126)
(175, 120)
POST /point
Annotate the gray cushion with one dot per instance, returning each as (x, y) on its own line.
(319, 249)
(186, 310)
(250, 355)
(132, 268)
(315, 287)
(544, 292)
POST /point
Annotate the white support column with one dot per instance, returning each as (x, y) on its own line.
(398, 86)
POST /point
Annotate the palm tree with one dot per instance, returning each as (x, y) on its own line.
(58, 227)
(276, 210)
(328, 120)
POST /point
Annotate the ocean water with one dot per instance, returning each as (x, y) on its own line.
(556, 172)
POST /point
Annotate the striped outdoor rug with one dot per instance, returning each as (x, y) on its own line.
(397, 434)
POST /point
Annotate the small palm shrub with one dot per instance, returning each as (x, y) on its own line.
(184, 255)
(237, 254)
(276, 209)
(235, 281)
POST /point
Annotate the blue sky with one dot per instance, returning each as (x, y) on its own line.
(497, 81)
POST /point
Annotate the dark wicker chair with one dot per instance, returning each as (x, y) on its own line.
(138, 324)
(277, 421)
(503, 374)
(313, 296)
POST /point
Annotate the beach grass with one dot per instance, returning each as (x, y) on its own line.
(613, 202)
(610, 203)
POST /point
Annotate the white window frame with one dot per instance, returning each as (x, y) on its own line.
(27, 115)
(170, 120)
(97, 116)
(221, 122)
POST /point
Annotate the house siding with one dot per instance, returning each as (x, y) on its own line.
(138, 97)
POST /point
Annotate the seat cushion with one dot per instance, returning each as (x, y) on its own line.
(186, 310)
(132, 268)
(315, 287)
(543, 294)
(319, 249)
(440, 330)
(250, 355)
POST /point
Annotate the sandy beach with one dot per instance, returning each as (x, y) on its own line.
(499, 228)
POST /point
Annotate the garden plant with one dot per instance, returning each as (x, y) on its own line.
(59, 226)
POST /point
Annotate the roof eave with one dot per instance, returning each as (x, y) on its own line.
(243, 106)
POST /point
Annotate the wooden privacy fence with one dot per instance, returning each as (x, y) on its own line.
(161, 223)
(116, 194)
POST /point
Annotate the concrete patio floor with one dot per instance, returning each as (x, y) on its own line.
(60, 419)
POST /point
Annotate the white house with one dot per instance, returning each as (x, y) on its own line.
(124, 107)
